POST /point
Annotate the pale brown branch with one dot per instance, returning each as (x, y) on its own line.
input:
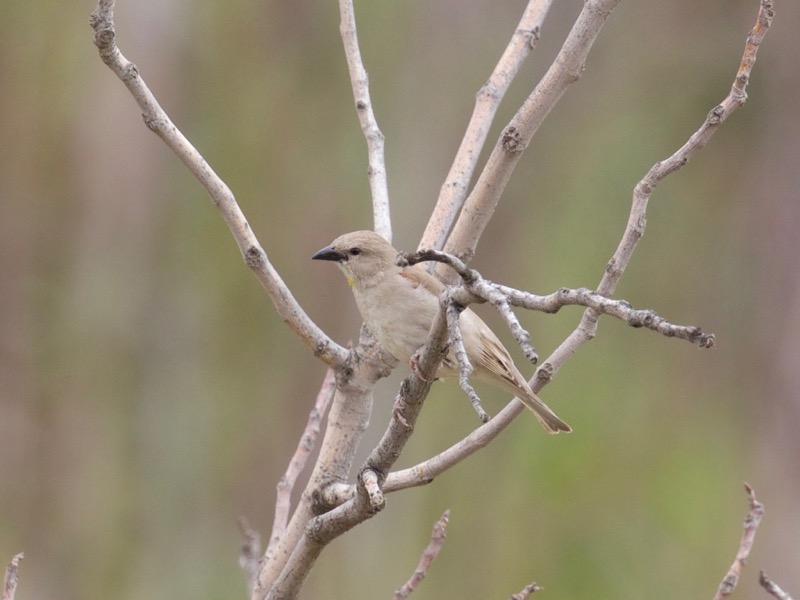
(157, 120)
(502, 297)
(456, 340)
(430, 553)
(303, 551)
(347, 420)
(634, 230)
(772, 588)
(369, 125)
(751, 522)
(298, 461)
(526, 592)
(719, 114)
(487, 100)
(565, 70)
(11, 577)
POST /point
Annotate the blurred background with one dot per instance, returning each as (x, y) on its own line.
(149, 395)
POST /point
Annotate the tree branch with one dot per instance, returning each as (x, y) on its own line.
(347, 421)
(430, 553)
(302, 551)
(772, 588)
(369, 125)
(565, 70)
(751, 522)
(587, 328)
(284, 570)
(426, 471)
(157, 120)
(298, 462)
(487, 100)
(503, 297)
(526, 592)
(11, 577)
(460, 352)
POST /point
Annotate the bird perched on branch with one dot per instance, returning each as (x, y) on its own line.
(398, 305)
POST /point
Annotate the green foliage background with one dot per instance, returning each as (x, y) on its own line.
(149, 395)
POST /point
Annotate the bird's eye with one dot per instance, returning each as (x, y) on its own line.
(355, 251)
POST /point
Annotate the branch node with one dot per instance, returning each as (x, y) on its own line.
(512, 140)
(254, 257)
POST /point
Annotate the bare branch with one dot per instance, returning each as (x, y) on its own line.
(11, 577)
(430, 553)
(369, 125)
(751, 523)
(502, 297)
(297, 463)
(426, 471)
(347, 420)
(718, 115)
(565, 70)
(102, 21)
(319, 531)
(413, 391)
(587, 328)
(772, 588)
(460, 352)
(526, 592)
(456, 184)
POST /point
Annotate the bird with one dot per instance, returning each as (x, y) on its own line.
(398, 305)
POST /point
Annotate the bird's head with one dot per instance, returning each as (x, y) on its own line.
(361, 255)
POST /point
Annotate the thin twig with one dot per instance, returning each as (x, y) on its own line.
(502, 297)
(526, 592)
(369, 125)
(157, 120)
(460, 352)
(772, 588)
(634, 230)
(751, 523)
(487, 100)
(430, 553)
(11, 577)
(718, 115)
(298, 461)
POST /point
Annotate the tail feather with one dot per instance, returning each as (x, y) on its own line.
(549, 420)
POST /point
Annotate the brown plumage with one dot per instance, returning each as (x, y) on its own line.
(398, 305)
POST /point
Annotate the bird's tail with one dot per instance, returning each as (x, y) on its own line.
(549, 420)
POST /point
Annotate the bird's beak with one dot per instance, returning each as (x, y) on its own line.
(328, 253)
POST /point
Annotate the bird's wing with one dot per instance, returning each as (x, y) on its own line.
(495, 358)
(488, 354)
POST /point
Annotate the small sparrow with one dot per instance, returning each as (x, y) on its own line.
(398, 305)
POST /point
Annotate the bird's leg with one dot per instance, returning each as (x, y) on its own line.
(413, 363)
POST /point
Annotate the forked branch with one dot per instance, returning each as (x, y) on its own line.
(502, 297)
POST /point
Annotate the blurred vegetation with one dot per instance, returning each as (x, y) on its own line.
(149, 395)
